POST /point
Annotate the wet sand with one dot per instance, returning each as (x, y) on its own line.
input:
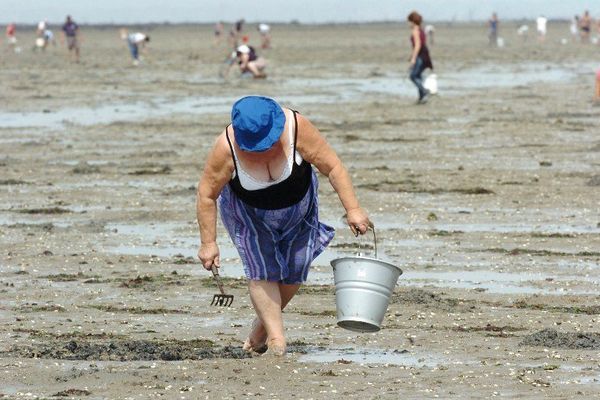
(488, 199)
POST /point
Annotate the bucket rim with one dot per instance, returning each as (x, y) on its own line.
(340, 259)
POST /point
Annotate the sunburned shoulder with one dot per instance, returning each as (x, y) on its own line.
(221, 146)
(303, 122)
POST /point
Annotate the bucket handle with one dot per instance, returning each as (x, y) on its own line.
(371, 227)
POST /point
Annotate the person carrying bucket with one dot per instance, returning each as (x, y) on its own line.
(419, 59)
(260, 172)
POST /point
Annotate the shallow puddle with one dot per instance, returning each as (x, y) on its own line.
(497, 282)
(172, 239)
(109, 113)
(372, 356)
(548, 229)
(331, 90)
(140, 110)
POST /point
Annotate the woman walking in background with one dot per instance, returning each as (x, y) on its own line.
(419, 59)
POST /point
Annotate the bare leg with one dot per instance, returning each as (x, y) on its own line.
(597, 98)
(256, 71)
(258, 334)
(268, 300)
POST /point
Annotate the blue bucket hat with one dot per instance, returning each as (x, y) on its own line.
(257, 123)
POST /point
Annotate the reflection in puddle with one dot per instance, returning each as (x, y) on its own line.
(371, 356)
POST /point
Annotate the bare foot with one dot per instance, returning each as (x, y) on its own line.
(257, 339)
(276, 347)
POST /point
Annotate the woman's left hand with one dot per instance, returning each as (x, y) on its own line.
(358, 221)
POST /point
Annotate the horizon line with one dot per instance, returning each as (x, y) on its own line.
(292, 22)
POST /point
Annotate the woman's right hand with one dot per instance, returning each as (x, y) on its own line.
(358, 221)
(209, 255)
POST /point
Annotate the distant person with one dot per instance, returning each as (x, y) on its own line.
(419, 59)
(493, 30)
(574, 28)
(541, 23)
(11, 36)
(236, 32)
(265, 36)
(239, 26)
(430, 31)
(71, 34)
(585, 26)
(48, 37)
(42, 42)
(135, 41)
(218, 32)
(41, 27)
(249, 61)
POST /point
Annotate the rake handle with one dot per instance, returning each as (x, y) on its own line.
(217, 278)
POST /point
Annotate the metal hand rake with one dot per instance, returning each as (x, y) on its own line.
(222, 299)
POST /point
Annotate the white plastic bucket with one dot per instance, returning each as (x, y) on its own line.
(363, 288)
(431, 83)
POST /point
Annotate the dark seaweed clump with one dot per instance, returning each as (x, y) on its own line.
(563, 340)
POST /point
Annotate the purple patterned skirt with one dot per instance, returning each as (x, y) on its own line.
(276, 245)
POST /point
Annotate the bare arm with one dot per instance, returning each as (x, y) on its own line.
(313, 148)
(417, 38)
(244, 58)
(217, 172)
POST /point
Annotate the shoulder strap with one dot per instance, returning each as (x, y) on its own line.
(295, 132)
(232, 151)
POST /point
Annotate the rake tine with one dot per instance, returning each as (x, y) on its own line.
(222, 299)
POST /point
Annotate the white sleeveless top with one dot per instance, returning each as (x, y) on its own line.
(248, 182)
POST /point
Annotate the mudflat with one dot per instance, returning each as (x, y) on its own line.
(487, 198)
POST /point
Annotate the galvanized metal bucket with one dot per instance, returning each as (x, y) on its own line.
(363, 288)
